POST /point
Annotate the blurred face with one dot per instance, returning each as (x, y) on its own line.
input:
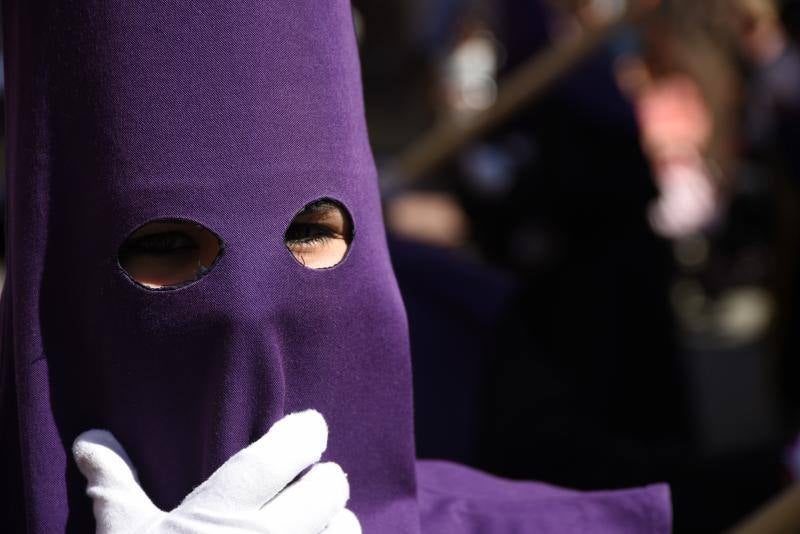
(168, 254)
(759, 29)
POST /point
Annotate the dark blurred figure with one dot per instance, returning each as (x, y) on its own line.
(593, 384)
(586, 386)
(769, 45)
(770, 161)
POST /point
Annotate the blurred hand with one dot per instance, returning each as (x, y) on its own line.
(688, 202)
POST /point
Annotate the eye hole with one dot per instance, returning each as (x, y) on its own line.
(167, 254)
(320, 235)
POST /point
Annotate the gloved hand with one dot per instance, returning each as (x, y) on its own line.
(249, 494)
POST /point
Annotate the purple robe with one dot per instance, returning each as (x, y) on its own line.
(235, 115)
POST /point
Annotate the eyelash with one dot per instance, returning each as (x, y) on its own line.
(161, 244)
(307, 235)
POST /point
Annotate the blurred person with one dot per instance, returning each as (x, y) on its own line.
(571, 224)
(770, 136)
(688, 92)
(591, 365)
(774, 74)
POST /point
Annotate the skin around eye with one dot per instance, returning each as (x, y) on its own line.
(164, 254)
(320, 235)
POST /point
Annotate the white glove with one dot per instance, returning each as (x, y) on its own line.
(251, 493)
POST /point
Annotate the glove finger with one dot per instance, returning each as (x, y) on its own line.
(256, 474)
(345, 522)
(311, 503)
(117, 498)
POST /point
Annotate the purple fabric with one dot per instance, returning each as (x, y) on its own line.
(235, 115)
(458, 500)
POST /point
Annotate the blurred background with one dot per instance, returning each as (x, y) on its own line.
(592, 209)
(593, 216)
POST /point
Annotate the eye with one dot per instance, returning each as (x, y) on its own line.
(167, 254)
(320, 235)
